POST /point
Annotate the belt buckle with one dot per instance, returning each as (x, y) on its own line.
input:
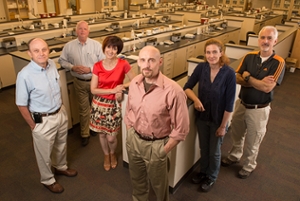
(147, 137)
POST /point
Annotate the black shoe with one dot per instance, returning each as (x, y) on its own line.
(197, 179)
(85, 141)
(207, 184)
(93, 133)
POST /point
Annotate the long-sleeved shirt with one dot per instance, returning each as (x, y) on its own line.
(217, 96)
(74, 53)
(39, 88)
(161, 111)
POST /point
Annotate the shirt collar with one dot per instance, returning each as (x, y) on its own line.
(159, 81)
(38, 67)
(258, 55)
(78, 41)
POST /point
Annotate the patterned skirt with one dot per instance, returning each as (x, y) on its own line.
(106, 116)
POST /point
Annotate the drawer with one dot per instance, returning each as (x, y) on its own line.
(168, 65)
(167, 71)
(169, 55)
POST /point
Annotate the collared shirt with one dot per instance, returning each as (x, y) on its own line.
(274, 65)
(74, 53)
(160, 112)
(39, 88)
(217, 96)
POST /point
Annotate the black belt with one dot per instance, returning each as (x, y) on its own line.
(84, 80)
(149, 138)
(52, 113)
(250, 106)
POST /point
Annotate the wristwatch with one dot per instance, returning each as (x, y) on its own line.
(247, 78)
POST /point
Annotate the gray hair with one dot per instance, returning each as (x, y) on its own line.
(272, 28)
(82, 22)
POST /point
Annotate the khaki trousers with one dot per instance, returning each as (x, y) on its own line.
(84, 98)
(247, 131)
(148, 164)
(50, 144)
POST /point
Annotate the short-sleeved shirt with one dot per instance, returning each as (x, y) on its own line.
(109, 79)
(39, 88)
(274, 65)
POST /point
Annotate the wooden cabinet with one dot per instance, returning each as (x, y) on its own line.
(7, 71)
(168, 64)
(234, 37)
(135, 69)
(233, 3)
(106, 4)
(179, 62)
(199, 50)
(285, 6)
(16, 9)
(296, 7)
(282, 4)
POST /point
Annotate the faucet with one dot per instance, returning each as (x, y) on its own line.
(97, 14)
(65, 31)
(134, 42)
(20, 21)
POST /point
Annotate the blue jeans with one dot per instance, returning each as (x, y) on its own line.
(210, 148)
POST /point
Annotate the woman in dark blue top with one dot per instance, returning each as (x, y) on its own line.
(214, 105)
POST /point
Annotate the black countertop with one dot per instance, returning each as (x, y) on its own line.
(100, 33)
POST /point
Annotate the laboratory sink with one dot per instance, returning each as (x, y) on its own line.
(66, 39)
(100, 20)
(72, 23)
(211, 34)
(55, 49)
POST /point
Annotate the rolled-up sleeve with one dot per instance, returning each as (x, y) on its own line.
(179, 116)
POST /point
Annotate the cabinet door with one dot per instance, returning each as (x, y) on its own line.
(179, 62)
(191, 51)
(234, 36)
(7, 71)
(199, 51)
(296, 6)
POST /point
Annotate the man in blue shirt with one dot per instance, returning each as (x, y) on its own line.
(79, 57)
(38, 98)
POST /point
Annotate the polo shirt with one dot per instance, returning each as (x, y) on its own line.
(251, 62)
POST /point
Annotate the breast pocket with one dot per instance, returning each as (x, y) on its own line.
(93, 59)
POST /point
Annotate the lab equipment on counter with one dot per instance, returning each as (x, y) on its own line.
(176, 37)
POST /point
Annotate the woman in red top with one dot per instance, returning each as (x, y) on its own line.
(107, 87)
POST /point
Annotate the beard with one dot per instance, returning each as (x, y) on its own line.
(147, 73)
(265, 48)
